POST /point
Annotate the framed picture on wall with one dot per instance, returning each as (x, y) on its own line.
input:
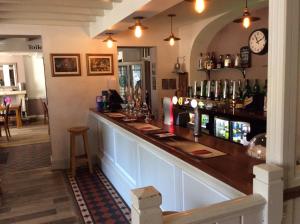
(65, 65)
(99, 64)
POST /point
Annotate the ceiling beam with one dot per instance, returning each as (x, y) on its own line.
(44, 22)
(119, 12)
(4, 7)
(46, 16)
(103, 4)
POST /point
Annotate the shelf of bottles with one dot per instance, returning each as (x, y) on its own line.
(209, 63)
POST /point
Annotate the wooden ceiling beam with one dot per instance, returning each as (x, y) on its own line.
(44, 22)
(103, 4)
(4, 7)
(46, 16)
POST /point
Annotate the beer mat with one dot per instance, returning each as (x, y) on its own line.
(196, 149)
(143, 126)
(164, 135)
(116, 115)
(126, 119)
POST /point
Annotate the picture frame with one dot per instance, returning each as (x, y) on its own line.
(63, 65)
(99, 64)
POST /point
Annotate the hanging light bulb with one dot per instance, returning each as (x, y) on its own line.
(138, 31)
(172, 41)
(246, 22)
(199, 6)
(246, 19)
(172, 37)
(109, 44)
(109, 40)
(138, 27)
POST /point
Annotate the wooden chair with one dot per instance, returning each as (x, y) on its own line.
(76, 160)
(4, 119)
(45, 109)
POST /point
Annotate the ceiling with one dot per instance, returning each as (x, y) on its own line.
(53, 12)
(99, 16)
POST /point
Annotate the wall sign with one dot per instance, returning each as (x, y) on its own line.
(245, 57)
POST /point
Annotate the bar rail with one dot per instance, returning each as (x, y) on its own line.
(246, 208)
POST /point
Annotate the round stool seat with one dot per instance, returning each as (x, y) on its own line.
(78, 130)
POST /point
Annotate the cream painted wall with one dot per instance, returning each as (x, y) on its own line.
(231, 38)
(69, 98)
(35, 76)
(7, 58)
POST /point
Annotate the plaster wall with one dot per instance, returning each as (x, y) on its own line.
(35, 76)
(231, 38)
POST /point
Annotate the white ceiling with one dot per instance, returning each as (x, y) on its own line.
(53, 12)
(102, 15)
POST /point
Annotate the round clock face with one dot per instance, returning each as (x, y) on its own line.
(258, 42)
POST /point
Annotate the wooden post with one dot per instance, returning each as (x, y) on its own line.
(145, 208)
(268, 182)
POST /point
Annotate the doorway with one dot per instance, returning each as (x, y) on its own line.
(23, 95)
(135, 72)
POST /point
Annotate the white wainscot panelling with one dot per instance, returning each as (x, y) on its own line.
(126, 156)
(108, 141)
(197, 194)
(157, 172)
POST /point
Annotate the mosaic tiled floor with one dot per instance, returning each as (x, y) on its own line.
(97, 199)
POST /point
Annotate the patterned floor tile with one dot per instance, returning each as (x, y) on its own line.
(97, 199)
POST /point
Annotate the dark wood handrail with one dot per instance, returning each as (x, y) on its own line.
(291, 193)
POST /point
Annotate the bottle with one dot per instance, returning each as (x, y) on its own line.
(213, 60)
(220, 63)
(237, 61)
(256, 88)
(201, 62)
(227, 61)
(265, 91)
(208, 62)
(240, 90)
(247, 89)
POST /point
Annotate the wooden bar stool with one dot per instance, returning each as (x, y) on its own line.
(75, 131)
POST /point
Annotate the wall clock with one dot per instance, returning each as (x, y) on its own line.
(258, 41)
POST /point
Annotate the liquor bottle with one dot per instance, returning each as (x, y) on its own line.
(208, 62)
(240, 90)
(237, 61)
(265, 91)
(256, 88)
(220, 63)
(227, 61)
(201, 62)
(208, 89)
(217, 90)
(212, 89)
(247, 89)
(213, 60)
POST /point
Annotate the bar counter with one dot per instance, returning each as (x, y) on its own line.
(234, 168)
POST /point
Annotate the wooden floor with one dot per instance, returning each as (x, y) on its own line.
(34, 193)
(33, 133)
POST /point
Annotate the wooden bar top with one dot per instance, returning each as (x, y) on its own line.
(234, 168)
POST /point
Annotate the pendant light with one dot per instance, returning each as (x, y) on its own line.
(247, 18)
(109, 40)
(172, 37)
(199, 5)
(138, 27)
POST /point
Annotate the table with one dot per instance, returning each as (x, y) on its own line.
(18, 111)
